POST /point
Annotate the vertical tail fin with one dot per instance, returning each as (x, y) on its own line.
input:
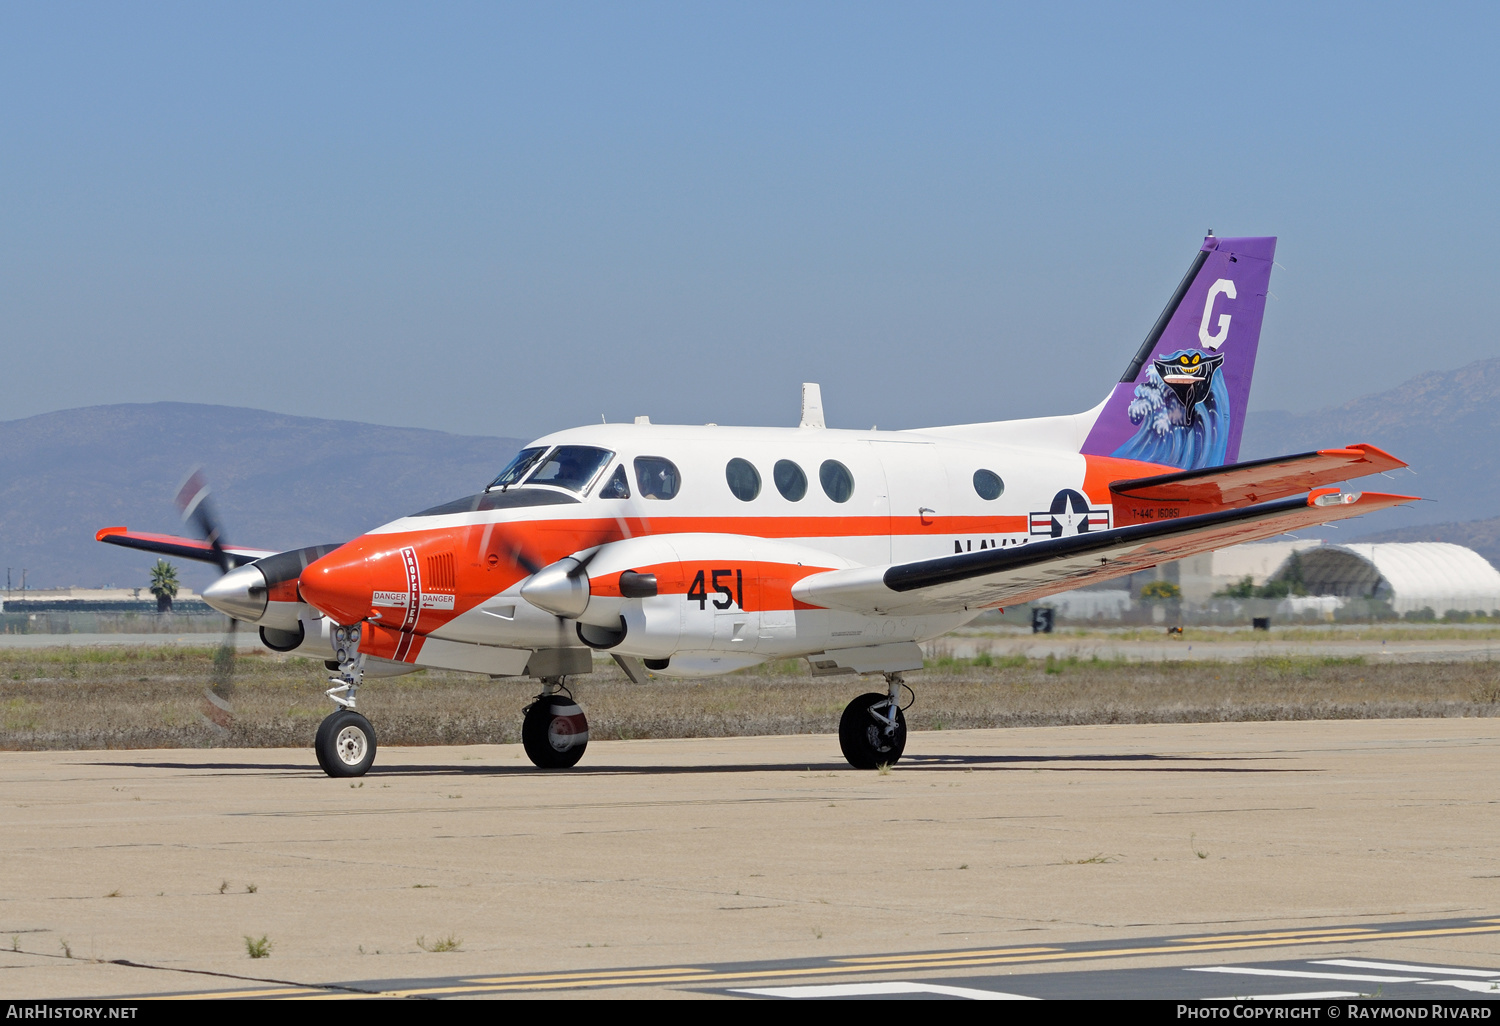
(1181, 401)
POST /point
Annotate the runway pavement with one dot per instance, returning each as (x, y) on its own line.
(1140, 860)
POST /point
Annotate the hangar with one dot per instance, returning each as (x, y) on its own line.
(1410, 576)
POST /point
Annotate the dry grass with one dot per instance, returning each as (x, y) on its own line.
(150, 698)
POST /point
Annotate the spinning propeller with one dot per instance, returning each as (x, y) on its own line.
(197, 511)
(562, 587)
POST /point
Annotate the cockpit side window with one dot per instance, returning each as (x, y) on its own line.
(573, 467)
(616, 487)
(657, 477)
(517, 468)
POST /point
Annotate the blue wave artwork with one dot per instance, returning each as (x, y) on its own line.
(1180, 425)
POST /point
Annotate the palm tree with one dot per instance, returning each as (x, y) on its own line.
(163, 585)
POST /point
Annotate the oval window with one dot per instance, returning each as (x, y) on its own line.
(988, 484)
(743, 478)
(790, 481)
(837, 482)
(657, 477)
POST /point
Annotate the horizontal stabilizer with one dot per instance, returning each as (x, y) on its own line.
(182, 548)
(1242, 484)
(1006, 576)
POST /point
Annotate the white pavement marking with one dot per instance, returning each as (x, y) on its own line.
(1306, 995)
(837, 990)
(1300, 975)
(1439, 970)
(1478, 986)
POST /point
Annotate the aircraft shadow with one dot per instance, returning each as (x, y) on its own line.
(1105, 763)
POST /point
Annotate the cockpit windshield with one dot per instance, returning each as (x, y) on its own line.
(573, 467)
(517, 468)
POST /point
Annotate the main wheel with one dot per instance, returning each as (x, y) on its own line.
(345, 744)
(863, 738)
(555, 732)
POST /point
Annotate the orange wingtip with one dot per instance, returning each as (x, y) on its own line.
(105, 532)
(1371, 453)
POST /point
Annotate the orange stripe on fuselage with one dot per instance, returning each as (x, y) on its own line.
(485, 561)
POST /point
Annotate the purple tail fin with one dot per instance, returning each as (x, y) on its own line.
(1182, 399)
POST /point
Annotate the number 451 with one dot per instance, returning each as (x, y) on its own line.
(720, 578)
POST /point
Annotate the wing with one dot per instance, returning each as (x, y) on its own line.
(999, 577)
(1242, 484)
(182, 548)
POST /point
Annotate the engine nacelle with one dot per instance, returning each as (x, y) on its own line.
(659, 595)
(265, 593)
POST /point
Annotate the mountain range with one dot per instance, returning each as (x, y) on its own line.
(1444, 423)
(281, 481)
(278, 482)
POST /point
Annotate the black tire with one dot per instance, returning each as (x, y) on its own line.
(345, 744)
(863, 738)
(555, 732)
(320, 742)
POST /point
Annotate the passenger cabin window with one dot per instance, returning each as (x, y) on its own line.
(743, 478)
(616, 487)
(791, 482)
(573, 467)
(517, 468)
(657, 477)
(837, 482)
(988, 484)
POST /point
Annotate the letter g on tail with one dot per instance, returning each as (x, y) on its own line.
(1212, 341)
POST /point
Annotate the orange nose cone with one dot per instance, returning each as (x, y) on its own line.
(342, 585)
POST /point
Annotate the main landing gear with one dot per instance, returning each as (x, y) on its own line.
(345, 745)
(555, 731)
(872, 731)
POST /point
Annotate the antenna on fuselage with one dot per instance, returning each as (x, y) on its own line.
(812, 406)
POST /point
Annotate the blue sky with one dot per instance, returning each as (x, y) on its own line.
(499, 219)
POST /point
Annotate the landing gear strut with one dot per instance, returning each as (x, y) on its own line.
(872, 731)
(555, 731)
(345, 745)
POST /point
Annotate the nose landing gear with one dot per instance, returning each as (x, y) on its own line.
(555, 732)
(872, 731)
(345, 744)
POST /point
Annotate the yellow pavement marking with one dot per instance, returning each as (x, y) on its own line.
(603, 973)
(938, 961)
(291, 991)
(951, 954)
(1283, 933)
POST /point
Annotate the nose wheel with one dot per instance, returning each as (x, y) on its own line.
(555, 732)
(345, 744)
(872, 731)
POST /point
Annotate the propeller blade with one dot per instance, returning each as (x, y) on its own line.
(218, 697)
(198, 513)
(583, 563)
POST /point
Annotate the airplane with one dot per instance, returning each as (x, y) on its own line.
(685, 551)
